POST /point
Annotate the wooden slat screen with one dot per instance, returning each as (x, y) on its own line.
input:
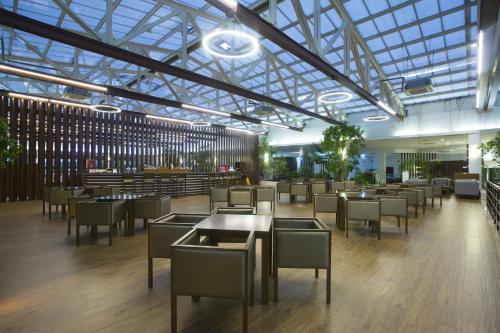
(57, 139)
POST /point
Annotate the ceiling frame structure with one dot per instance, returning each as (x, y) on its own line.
(285, 82)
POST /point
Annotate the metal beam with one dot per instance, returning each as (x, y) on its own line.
(44, 30)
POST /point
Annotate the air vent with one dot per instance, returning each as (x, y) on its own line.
(263, 110)
(76, 93)
(418, 86)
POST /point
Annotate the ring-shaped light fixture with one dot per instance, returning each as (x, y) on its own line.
(254, 43)
(105, 108)
(339, 97)
(382, 117)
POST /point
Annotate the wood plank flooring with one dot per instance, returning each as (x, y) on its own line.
(443, 277)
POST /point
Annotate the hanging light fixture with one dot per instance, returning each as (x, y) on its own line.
(334, 97)
(382, 117)
(215, 38)
(106, 107)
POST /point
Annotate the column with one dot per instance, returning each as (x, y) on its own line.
(474, 153)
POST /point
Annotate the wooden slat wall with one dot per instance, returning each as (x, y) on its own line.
(58, 139)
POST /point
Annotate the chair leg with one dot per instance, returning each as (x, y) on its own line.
(316, 273)
(173, 313)
(406, 224)
(275, 283)
(57, 208)
(440, 201)
(43, 207)
(50, 211)
(328, 284)
(346, 228)
(416, 211)
(245, 316)
(69, 225)
(399, 224)
(379, 225)
(77, 227)
(110, 234)
(145, 223)
(433, 202)
(150, 273)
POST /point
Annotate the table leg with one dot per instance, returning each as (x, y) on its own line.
(265, 270)
(130, 227)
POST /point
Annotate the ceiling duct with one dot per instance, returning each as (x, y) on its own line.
(418, 86)
(76, 93)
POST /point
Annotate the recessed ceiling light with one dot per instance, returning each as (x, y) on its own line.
(334, 97)
(243, 36)
(382, 117)
(225, 46)
(447, 143)
(441, 139)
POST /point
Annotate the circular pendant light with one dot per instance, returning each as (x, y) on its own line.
(209, 39)
(376, 118)
(105, 108)
(334, 97)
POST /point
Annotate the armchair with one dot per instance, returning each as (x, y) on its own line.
(325, 203)
(151, 207)
(217, 194)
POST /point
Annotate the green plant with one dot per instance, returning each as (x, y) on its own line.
(280, 167)
(9, 149)
(364, 178)
(265, 157)
(341, 145)
(492, 146)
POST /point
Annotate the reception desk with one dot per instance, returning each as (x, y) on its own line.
(189, 182)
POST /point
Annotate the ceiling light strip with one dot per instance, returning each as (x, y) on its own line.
(52, 78)
(204, 110)
(386, 108)
(273, 124)
(48, 100)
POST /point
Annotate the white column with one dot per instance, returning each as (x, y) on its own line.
(380, 171)
(474, 153)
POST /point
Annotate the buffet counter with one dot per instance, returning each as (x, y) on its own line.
(183, 183)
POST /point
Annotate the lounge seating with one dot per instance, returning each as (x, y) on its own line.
(217, 195)
(72, 208)
(395, 206)
(240, 195)
(349, 184)
(467, 187)
(58, 197)
(336, 187)
(95, 213)
(437, 191)
(151, 207)
(325, 203)
(428, 193)
(363, 210)
(46, 198)
(165, 231)
(412, 197)
(282, 188)
(318, 187)
(299, 190)
(265, 194)
(301, 243)
(420, 198)
(199, 270)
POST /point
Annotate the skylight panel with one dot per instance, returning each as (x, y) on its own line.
(411, 33)
(449, 4)
(383, 57)
(455, 38)
(435, 43)
(334, 16)
(426, 8)
(473, 14)
(376, 44)
(356, 9)
(453, 20)
(392, 39)
(367, 29)
(405, 15)
(431, 27)
(459, 76)
(376, 6)
(385, 22)
(398, 53)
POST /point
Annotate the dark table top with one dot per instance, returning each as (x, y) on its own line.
(357, 196)
(236, 222)
(124, 196)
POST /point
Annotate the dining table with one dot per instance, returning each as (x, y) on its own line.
(234, 225)
(342, 203)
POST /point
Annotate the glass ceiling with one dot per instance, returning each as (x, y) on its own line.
(397, 39)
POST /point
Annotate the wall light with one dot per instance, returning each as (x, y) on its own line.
(254, 43)
(339, 97)
(47, 77)
(376, 118)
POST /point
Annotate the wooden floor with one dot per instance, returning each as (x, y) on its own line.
(443, 277)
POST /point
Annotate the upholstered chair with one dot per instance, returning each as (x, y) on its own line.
(218, 195)
(325, 203)
(163, 232)
(363, 210)
(301, 243)
(337, 187)
(318, 188)
(428, 193)
(46, 198)
(72, 208)
(395, 206)
(198, 270)
(240, 195)
(349, 184)
(420, 198)
(412, 197)
(95, 213)
(263, 194)
(151, 207)
(299, 190)
(282, 188)
(58, 197)
(437, 191)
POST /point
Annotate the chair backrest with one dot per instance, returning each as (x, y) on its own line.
(283, 187)
(209, 271)
(301, 243)
(151, 206)
(319, 187)
(325, 203)
(298, 189)
(393, 206)
(240, 195)
(365, 210)
(412, 196)
(437, 190)
(59, 196)
(218, 194)
(234, 210)
(420, 195)
(349, 184)
(161, 235)
(337, 186)
(428, 192)
(92, 212)
(265, 194)
(72, 204)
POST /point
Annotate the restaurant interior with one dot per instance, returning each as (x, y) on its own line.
(250, 166)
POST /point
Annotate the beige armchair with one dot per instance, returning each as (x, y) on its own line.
(301, 243)
(151, 207)
(363, 210)
(420, 198)
(72, 208)
(282, 188)
(299, 190)
(199, 270)
(99, 212)
(428, 193)
(58, 196)
(412, 197)
(240, 195)
(163, 232)
(217, 195)
(349, 184)
(265, 194)
(325, 203)
(437, 191)
(318, 188)
(395, 206)
(336, 187)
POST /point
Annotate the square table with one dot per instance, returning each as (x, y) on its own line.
(236, 224)
(130, 225)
